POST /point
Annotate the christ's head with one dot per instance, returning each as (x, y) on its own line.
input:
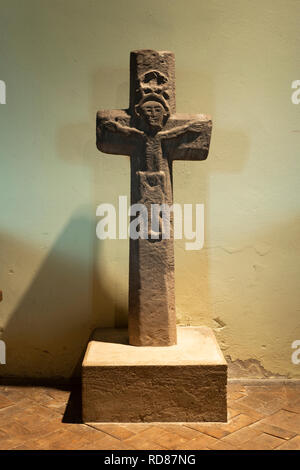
(153, 111)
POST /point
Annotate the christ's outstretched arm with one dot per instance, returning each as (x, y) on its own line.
(116, 126)
(193, 126)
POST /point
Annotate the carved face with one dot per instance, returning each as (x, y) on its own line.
(153, 113)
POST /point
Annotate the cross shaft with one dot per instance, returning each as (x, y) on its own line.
(152, 135)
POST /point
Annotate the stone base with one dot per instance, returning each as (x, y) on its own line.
(181, 383)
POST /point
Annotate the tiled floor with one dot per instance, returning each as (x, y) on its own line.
(260, 417)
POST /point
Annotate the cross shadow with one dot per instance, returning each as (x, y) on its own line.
(50, 327)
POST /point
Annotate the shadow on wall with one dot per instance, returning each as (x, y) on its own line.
(47, 333)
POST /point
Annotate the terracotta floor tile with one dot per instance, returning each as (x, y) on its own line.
(37, 421)
(293, 444)
(265, 406)
(105, 443)
(241, 408)
(28, 410)
(214, 430)
(58, 440)
(87, 432)
(13, 393)
(3, 434)
(59, 408)
(10, 439)
(62, 438)
(193, 444)
(273, 430)
(107, 446)
(8, 444)
(232, 413)
(232, 396)
(14, 429)
(10, 412)
(171, 441)
(114, 430)
(241, 436)
(43, 411)
(37, 394)
(220, 430)
(236, 387)
(238, 422)
(221, 445)
(48, 397)
(285, 420)
(37, 430)
(181, 430)
(202, 442)
(261, 391)
(163, 438)
(294, 407)
(59, 395)
(151, 434)
(4, 401)
(137, 427)
(22, 447)
(262, 442)
(140, 443)
(292, 393)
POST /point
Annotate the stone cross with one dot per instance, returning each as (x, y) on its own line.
(152, 134)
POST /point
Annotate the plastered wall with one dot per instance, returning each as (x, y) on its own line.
(62, 60)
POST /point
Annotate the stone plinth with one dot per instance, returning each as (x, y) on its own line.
(181, 383)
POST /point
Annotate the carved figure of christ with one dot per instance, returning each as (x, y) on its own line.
(153, 135)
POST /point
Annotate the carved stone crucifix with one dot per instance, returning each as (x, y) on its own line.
(153, 135)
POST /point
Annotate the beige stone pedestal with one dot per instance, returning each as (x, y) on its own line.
(181, 383)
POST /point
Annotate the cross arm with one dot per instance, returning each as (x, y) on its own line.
(115, 134)
(187, 136)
